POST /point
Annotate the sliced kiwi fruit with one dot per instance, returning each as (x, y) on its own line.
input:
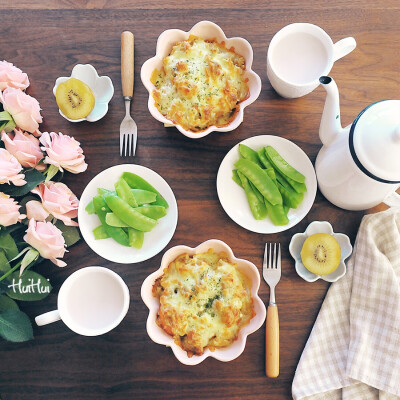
(320, 253)
(75, 99)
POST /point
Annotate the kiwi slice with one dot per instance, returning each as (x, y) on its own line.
(320, 253)
(75, 99)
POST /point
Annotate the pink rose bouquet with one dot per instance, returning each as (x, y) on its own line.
(63, 152)
(9, 211)
(57, 200)
(11, 76)
(25, 148)
(27, 165)
(24, 109)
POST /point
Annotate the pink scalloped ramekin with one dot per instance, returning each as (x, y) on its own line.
(205, 30)
(158, 335)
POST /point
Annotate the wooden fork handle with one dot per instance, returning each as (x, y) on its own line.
(127, 55)
(272, 342)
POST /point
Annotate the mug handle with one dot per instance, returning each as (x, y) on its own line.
(47, 318)
(392, 199)
(343, 47)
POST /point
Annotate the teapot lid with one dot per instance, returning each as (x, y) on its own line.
(375, 141)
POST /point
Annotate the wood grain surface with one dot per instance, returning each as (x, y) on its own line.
(46, 39)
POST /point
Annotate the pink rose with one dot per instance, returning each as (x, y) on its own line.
(24, 109)
(47, 239)
(24, 147)
(57, 200)
(10, 169)
(63, 152)
(9, 214)
(11, 76)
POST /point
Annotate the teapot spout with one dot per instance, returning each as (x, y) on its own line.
(330, 125)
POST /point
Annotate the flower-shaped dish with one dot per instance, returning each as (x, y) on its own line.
(205, 30)
(158, 335)
(320, 227)
(102, 88)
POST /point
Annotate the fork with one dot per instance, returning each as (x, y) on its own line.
(272, 275)
(128, 128)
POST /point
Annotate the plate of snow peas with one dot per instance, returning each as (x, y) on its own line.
(266, 184)
(127, 214)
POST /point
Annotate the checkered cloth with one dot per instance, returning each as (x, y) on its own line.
(353, 352)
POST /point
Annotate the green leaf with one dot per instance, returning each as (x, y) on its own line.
(7, 244)
(30, 257)
(32, 176)
(70, 233)
(4, 286)
(31, 286)
(4, 264)
(6, 303)
(15, 326)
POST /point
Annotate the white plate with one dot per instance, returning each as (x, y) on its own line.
(233, 198)
(154, 241)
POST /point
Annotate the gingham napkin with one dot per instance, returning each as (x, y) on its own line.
(353, 352)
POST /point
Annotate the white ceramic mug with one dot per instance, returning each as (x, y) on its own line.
(299, 54)
(92, 301)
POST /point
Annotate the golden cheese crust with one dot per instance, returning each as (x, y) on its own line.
(204, 301)
(200, 84)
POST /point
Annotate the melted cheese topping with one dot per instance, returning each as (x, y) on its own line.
(204, 301)
(200, 84)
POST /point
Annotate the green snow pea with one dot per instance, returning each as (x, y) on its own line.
(283, 166)
(154, 212)
(263, 159)
(124, 191)
(102, 191)
(136, 182)
(144, 196)
(136, 238)
(276, 213)
(257, 192)
(236, 178)
(90, 207)
(298, 187)
(256, 206)
(128, 214)
(249, 154)
(113, 220)
(100, 233)
(102, 209)
(290, 197)
(260, 179)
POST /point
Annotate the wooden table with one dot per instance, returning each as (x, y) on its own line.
(46, 39)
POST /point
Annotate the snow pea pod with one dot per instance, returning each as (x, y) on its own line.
(257, 207)
(128, 214)
(102, 209)
(90, 208)
(283, 166)
(249, 154)
(260, 179)
(100, 233)
(113, 220)
(298, 187)
(236, 178)
(263, 159)
(257, 192)
(144, 196)
(290, 197)
(154, 212)
(276, 213)
(124, 191)
(136, 238)
(136, 182)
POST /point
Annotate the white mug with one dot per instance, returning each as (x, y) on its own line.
(299, 54)
(92, 301)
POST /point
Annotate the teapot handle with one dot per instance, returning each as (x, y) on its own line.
(343, 47)
(392, 199)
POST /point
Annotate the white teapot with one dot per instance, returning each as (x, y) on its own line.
(358, 166)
